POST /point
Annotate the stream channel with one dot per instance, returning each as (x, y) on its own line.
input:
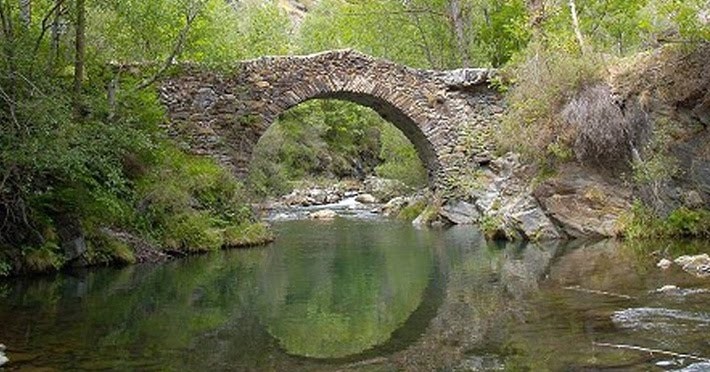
(366, 293)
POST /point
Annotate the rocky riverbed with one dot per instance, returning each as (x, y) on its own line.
(370, 198)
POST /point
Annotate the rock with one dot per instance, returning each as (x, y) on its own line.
(664, 263)
(535, 225)
(295, 198)
(366, 199)
(394, 206)
(72, 237)
(698, 265)
(667, 288)
(325, 214)
(584, 204)
(385, 189)
(3, 359)
(318, 196)
(696, 367)
(460, 213)
(692, 199)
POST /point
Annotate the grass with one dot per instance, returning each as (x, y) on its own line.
(642, 223)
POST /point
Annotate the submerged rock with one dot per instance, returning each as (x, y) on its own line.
(698, 265)
(325, 214)
(664, 263)
(696, 367)
(3, 358)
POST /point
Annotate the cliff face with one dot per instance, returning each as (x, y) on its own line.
(670, 87)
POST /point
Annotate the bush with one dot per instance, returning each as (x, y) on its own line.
(605, 136)
(247, 234)
(642, 223)
(547, 79)
(412, 211)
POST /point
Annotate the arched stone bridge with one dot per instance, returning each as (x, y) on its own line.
(225, 114)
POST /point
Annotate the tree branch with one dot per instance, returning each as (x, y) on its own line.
(46, 26)
(177, 48)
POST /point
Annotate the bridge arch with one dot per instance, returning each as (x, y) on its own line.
(225, 115)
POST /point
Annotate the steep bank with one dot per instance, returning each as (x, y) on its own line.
(627, 148)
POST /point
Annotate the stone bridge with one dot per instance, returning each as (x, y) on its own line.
(225, 114)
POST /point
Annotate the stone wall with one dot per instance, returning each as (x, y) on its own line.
(225, 114)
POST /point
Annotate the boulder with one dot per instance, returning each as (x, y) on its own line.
(325, 214)
(3, 358)
(698, 265)
(664, 263)
(583, 203)
(72, 237)
(366, 199)
(534, 224)
(394, 206)
(460, 212)
(385, 189)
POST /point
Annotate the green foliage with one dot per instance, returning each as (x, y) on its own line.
(329, 138)
(96, 168)
(190, 231)
(491, 226)
(546, 80)
(103, 250)
(643, 223)
(43, 258)
(221, 32)
(412, 211)
(247, 234)
(420, 33)
(400, 160)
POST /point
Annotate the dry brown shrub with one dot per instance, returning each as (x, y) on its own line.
(606, 133)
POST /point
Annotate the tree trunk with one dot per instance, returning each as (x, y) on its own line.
(458, 23)
(575, 24)
(56, 33)
(26, 12)
(79, 58)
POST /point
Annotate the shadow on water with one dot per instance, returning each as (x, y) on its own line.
(370, 295)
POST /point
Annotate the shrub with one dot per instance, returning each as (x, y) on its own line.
(191, 232)
(547, 79)
(642, 223)
(605, 136)
(43, 258)
(412, 211)
(247, 234)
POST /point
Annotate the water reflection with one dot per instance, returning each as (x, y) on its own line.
(362, 295)
(344, 290)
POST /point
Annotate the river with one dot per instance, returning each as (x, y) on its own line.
(366, 294)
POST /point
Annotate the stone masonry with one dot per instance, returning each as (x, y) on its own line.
(225, 114)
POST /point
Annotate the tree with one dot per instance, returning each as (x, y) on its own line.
(26, 12)
(79, 58)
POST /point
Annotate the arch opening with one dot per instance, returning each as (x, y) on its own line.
(340, 136)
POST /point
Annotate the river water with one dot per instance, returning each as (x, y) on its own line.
(371, 295)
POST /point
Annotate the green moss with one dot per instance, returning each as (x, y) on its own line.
(104, 249)
(641, 223)
(192, 232)
(247, 234)
(412, 211)
(44, 258)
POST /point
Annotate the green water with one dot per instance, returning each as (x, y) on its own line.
(363, 295)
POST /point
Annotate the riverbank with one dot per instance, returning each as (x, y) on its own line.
(387, 295)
